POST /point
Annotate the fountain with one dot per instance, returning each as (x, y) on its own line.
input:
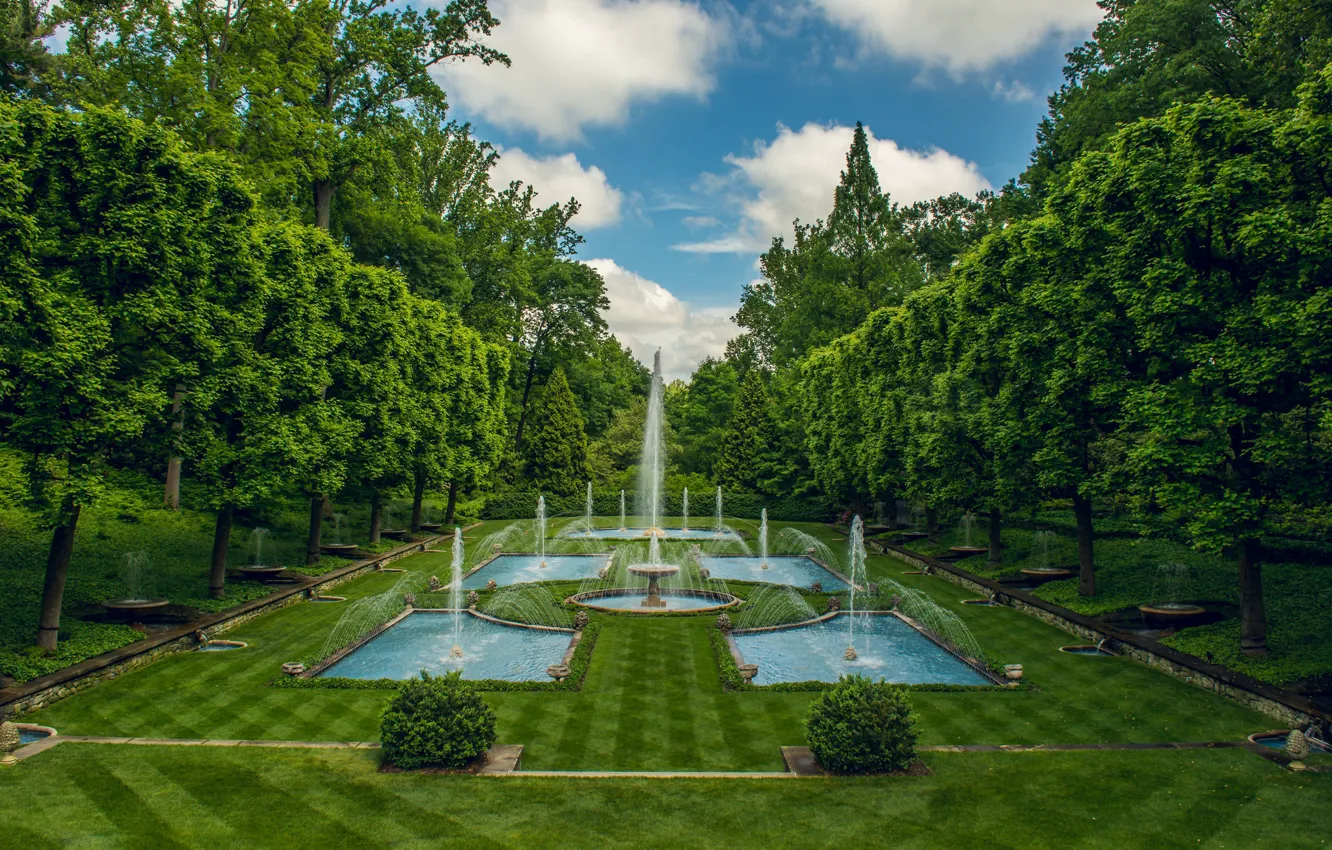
(1172, 594)
(389, 531)
(337, 547)
(455, 592)
(134, 574)
(1045, 572)
(622, 525)
(258, 569)
(763, 539)
(856, 569)
(541, 529)
(966, 550)
(684, 510)
(651, 465)
(720, 526)
(588, 518)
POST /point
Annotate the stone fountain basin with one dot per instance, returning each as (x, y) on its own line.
(395, 534)
(653, 570)
(337, 548)
(968, 551)
(628, 600)
(1176, 614)
(430, 526)
(134, 606)
(260, 572)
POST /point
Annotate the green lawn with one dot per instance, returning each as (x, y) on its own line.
(652, 699)
(85, 795)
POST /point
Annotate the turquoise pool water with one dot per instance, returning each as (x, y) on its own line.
(28, 736)
(671, 534)
(795, 570)
(423, 640)
(524, 569)
(889, 650)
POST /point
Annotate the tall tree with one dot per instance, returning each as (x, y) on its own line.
(556, 452)
(750, 439)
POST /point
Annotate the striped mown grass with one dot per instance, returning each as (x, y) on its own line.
(652, 699)
(126, 796)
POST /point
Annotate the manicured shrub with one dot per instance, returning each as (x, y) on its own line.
(862, 726)
(436, 721)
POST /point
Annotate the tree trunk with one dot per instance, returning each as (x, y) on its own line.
(527, 395)
(932, 523)
(890, 517)
(171, 496)
(418, 494)
(323, 203)
(376, 516)
(453, 503)
(316, 529)
(217, 577)
(1082, 509)
(996, 542)
(1253, 617)
(57, 568)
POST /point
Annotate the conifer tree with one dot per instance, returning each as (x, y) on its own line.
(749, 436)
(555, 451)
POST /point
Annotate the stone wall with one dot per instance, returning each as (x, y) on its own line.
(1256, 695)
(45, 690)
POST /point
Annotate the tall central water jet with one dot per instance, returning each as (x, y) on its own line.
(455, 593)
(652, 467)
(622, 528)
(857, 570)
(719, 512)
(763, 539)
(684, 526)
(589, 509)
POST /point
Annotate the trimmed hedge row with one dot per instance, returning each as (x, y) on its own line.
(522, 505)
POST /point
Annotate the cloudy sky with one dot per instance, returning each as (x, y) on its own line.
(693, 131)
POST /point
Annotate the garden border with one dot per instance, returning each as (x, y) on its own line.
(1292, 709)
(38, 693)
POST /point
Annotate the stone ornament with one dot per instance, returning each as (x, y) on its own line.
(558, 672)
(704, 573)
(580, 620)
(490, 585)
(873, 589)
(473, 598)
(748, 672)
(724, 621)
(409, 600)
(9, 737)
(816, 587)
(1297, 745)
(834, 604)
(293, 668)
(435, 584)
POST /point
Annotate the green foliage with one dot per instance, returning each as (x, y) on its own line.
(749, 442)
(861, 726)
(436, 722)
(556, 448)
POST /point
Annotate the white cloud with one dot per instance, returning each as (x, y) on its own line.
(580, 63)
(1014, 92)
(795, 175)
(559, 178)
(697, 222)
(645, 316)
(961, 35)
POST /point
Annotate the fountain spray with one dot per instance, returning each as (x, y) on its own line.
(719, 511)
(589, 509)
(455, 593)
(541, 529)
(652, 468)
(763, 539)
(857, 567)
(622, 528)
(685, 509)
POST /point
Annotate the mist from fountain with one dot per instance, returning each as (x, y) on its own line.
(589, 509)
(651, 467)
(720, 525)
(257, 538)
(773, 605)
(763, 539)
(684, 500)
(541, 529)
(856, 573)
(337, 527)
(622, 525)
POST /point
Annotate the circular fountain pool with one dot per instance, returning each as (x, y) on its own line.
(673, 601)
(222, 646)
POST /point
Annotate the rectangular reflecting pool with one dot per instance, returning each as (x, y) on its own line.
(425, 639)
(524, 569)
(671, 534)
(889, 650)
(795, 570)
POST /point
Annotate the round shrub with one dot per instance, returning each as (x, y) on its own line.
(436, 721)
(861, 726)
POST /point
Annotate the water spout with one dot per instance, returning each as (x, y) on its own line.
(589, 509)
(685, 509)
(652, 468)
(541, 529)
(622, 525)
(455, 593)
(719, 512)
(763, 539)
(856, 572)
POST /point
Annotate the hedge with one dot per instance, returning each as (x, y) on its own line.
(522, 505)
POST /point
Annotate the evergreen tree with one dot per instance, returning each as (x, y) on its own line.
(749, 437)
(556, 449)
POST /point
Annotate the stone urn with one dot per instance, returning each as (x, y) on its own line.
(200, 637)
(409, 599)
(473, 599)
(558, 672)
(873, 589)
(581, 620)
(496, 548)
(1013, 672)
(490, 585)
(704, 573)
(435, 584)
(834, 604)
(748, 672)
(293, 668)
(816, 587)
(9, 742)
(811, 551)
(724, 621)
(1297, 747)
(603, 572)
(896, 600)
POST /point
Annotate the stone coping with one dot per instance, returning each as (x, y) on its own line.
(44, 690)
(575, 636)
(938, 641)
(1262, 697)
(715, 595)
